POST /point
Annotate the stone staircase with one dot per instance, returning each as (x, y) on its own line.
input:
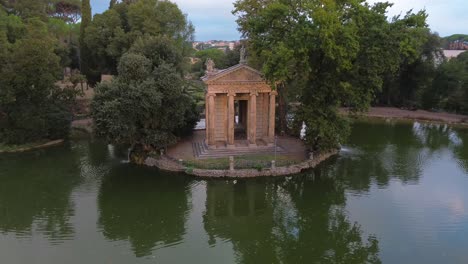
(201, 151)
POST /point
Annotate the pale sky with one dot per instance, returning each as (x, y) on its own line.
(213, 18)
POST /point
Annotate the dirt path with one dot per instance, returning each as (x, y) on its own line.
(391, 112)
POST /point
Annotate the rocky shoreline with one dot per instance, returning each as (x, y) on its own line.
(40, 146)
(169, 164)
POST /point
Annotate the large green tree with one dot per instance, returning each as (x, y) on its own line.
(112, 33)
(31, 106)
(415, 52)
(449, 90)
(86, 57)
(147, 105)
(67, 10)
(332, 53)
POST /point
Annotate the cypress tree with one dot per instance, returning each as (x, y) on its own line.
(85, 21)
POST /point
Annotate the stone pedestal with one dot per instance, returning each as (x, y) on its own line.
(231, 163)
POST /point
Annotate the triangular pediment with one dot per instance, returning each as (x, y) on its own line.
(238, 73)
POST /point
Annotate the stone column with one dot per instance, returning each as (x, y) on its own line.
(207, 117)
(211, 119)
(231, 119)
(253, 119)
(271, 119)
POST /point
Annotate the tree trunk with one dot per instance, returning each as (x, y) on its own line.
(137, 154)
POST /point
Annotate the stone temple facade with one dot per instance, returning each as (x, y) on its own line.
(240, 108)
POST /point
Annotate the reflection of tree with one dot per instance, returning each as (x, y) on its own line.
(381, 151)
(461, 149)
(390, 150)
(35, 192)
(143, 207)
(286, 221)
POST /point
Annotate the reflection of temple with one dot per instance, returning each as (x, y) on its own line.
(281, 221)
(241, 213)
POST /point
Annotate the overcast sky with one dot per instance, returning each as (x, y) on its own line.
(213, 18)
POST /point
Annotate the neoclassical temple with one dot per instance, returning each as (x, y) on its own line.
(240, 107)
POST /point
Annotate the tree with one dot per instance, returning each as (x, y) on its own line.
(146, 106)
(31, 106)
(333, 53)
(218, 56)
(415, 52)
(111, 34)
(449, 90)
(85, 52)
(66, 10)
(316, 44)
(112, 3)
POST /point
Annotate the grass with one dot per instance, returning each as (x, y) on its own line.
(258, 162)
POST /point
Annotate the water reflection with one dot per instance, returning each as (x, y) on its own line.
(145, 207)
(35, 196)
(382, 152)
(289, 220)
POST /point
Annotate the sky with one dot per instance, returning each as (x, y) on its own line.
(213, 19)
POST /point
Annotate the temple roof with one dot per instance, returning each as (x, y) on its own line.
(236, 73)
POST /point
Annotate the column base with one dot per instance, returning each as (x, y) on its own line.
(211, 146)
(231, 146)
(254, 145)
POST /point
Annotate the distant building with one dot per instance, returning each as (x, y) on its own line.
(218, 44)
(458, 45)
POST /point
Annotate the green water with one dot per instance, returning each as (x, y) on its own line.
(396, 194)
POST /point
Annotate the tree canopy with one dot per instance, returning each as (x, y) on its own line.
(147, 105)
(335, 53)
(31, 106)
(112, 33)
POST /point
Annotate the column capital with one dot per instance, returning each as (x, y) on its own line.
(211, 94)
(231, 93)
(274, 92)
(253, 93)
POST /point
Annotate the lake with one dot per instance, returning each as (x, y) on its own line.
(397, 193)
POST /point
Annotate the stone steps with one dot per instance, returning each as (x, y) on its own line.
(201, 151)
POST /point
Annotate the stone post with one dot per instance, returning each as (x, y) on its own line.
(231, 163)
(253, 119)
(272, 116)
(211, 117)
(273, 165)
(231, 119)
(207, 118)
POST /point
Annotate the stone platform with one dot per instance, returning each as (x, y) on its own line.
(193, 147)
(202, 151)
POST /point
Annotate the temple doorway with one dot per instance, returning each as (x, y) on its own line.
(240, 128)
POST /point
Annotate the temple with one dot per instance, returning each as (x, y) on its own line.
(240, 107)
